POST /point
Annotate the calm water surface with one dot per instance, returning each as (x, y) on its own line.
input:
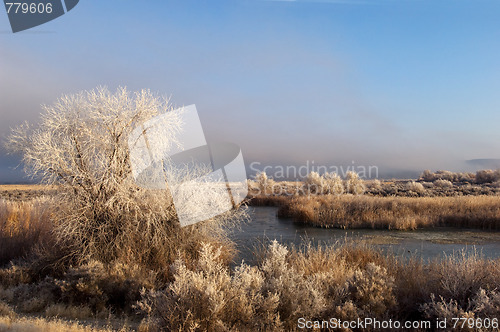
(264, 226)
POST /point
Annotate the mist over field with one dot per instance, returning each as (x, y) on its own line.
(404, 86)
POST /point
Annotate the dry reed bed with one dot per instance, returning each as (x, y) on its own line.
(23, 224)
(401, 213)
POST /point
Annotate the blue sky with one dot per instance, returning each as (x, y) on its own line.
(404, 85)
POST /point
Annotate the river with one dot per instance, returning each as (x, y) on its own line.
(265, 226)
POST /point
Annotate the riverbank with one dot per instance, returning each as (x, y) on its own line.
(264, 226)
(398, 213)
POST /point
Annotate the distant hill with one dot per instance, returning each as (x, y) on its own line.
(484, 163)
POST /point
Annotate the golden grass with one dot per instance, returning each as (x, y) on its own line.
(29, 224)
(27, 324)
(11, 321)
(23, 224)
(401, 213)
(25, 187)
(25, 192)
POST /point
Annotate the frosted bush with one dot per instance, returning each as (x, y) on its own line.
(314, 183)
(466, 177)
(375, 185)
(334, 183)
(445, 175)
(354, 184)
(462, 274)
(299, 296)
(428, 185)
(444, 309)
(415, 187)
(371, 290)
(206, 297)
(264, 183)
(429, 176)
(445, 184)
(328, 183)
(317, 284)
(487, 176)
(484, 304)
(261, 178)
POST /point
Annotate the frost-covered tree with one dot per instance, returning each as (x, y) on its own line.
(354, 184)
(327, 183)
(264, 183)
(333, 183)
(81, 146)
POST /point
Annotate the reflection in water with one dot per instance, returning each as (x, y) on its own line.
(428, 243)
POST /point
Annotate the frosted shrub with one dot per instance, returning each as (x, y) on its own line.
(249, 302)
(427, 175)
(428, 185)
(487, 176)
(486, 303)
(264, 183)
(466, 177)
(275, 263)
(444, 309)
(371, 290)
(483, 304)
(314, 183)
(316, 283)
(334, 183)
(299, 296)
(415, 187)
(444, 184)
(328, 183)
(207, 298)
(261, 178)
(447, 175)
(375, 185)
(462, 274)
(354, 184)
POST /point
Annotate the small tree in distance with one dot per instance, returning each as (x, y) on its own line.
(354, 184)
(81, 146)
